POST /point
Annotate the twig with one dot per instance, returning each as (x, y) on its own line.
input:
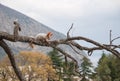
(73, 48)
(115, 39)
(111, 40)
(68, 35)
(110, 37)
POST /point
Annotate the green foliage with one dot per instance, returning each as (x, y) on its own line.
(57, 61)
(103, 69)
(69, 69)
(108, 68)
(56, 58)
(86, 67)
(64, 70)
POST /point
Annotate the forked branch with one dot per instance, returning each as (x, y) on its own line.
(54, 44)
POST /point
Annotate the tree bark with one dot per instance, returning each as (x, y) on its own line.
(12, 60)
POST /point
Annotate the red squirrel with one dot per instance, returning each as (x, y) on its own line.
(44, 37)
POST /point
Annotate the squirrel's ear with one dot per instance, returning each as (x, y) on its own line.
(49, 34)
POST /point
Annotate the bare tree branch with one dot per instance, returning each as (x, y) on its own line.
(111, 40)
(68, 36)
(115, 39)
(68, 33)
(73, 48)
(95, 43)
(110, 37)
(26, 39)
(12, 60)
(54, 44)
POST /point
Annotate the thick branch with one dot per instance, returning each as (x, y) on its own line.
(12, 60)
(115, 52)
(68, 41)
(26, 39)
(61, 41)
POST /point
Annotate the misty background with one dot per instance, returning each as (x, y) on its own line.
(91, 18)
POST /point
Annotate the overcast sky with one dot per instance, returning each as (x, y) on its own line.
(91, 18)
